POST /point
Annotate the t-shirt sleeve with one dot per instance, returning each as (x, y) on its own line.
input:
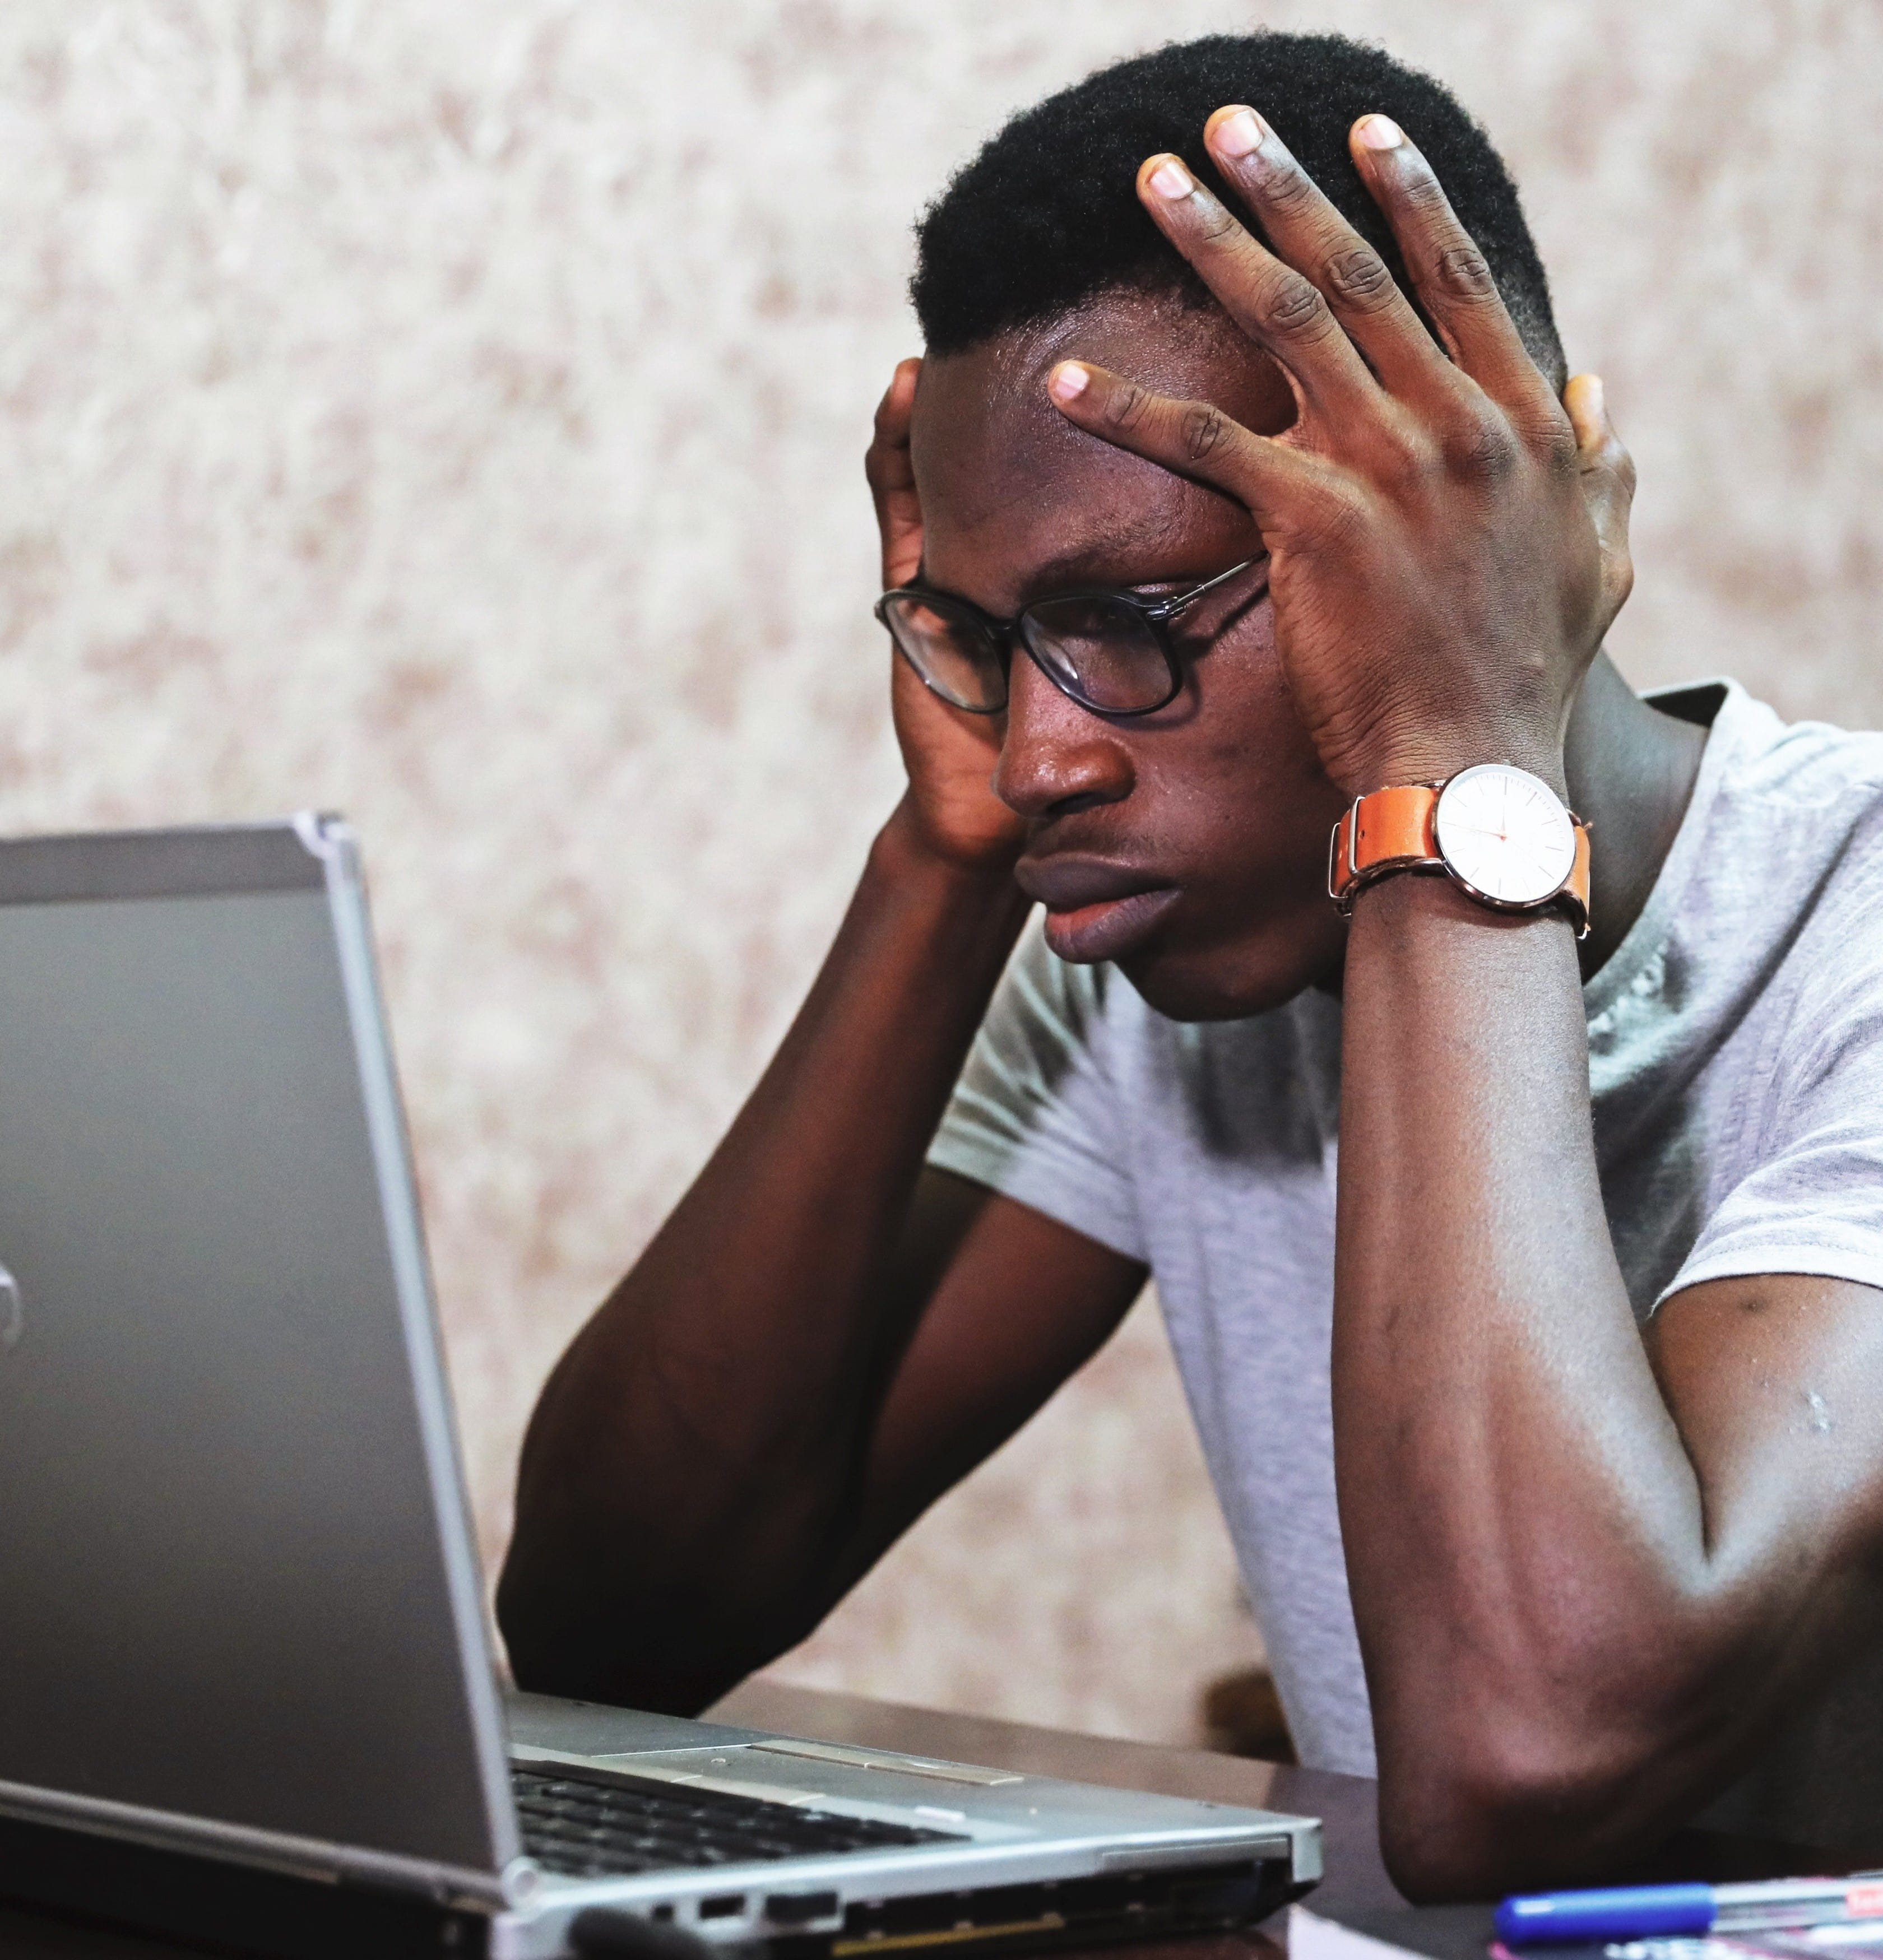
(1036, 1115)
(1812, 1200)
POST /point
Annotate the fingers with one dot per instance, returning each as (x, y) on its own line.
(1284, 488)
(1447, 269)
(892, 477)
(1307, 231)
(1280, 309)
(1607, 476)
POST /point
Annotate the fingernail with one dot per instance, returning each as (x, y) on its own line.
(1380, 132)
(1171, 180)
(1239, 134)
(1069, 381)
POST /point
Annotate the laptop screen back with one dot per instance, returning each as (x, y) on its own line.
(234, 1569)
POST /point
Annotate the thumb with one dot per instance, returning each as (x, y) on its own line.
(892, 477)
(1608, 485)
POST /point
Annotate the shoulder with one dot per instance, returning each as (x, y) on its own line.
(1788, 818)
(1793, 867)
(1803, 765)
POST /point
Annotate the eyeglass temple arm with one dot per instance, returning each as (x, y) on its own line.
(1170, 608)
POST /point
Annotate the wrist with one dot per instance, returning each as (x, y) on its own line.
(1399, 901)
(906, 849)
(1438, 756)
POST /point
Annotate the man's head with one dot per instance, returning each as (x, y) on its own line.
(1038, 251)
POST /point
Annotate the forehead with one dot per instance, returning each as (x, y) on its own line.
(1016, 501)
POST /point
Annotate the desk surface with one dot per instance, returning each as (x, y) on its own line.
(1355, 1880)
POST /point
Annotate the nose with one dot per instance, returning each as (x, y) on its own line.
(1056, 758)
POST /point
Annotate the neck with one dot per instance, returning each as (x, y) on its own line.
(1631, 771)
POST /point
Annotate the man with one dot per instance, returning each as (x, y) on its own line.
(1551, 1433)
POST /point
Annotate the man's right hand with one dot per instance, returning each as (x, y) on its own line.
(827, 1332)
(951, 811)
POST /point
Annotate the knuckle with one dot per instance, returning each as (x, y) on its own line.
(1128, 405)
(1409, 458)
(1288, 189)
(1554, 442)
(1205, 431)
(1461, 271)
(1214, 223)
(1359, 277)
(1482, 445)
(1423, 192)
(1293, 309)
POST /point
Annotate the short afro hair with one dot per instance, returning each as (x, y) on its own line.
(1047, 216)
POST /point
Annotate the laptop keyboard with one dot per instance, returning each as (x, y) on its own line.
(590, 1828)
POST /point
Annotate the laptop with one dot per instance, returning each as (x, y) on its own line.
(242, 1624)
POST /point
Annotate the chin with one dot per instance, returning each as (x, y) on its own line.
(1235, 981)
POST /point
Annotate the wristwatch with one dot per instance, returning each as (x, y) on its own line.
(1502, 835)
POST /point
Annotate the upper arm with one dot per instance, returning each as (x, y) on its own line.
(997, 1304)
(1770, 1355)
(1776, 1384)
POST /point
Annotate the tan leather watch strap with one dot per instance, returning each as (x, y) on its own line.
(1392, 830)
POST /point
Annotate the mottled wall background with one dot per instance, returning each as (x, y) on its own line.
(450, 411)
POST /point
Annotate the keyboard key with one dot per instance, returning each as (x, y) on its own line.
(592, 1826)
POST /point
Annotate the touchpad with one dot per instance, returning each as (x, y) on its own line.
(589, 1729)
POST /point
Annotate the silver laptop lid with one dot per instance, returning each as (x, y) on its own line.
(239, 1603)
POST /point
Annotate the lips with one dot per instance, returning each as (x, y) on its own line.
(1095, 910)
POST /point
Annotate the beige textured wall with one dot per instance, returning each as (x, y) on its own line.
(450, 410)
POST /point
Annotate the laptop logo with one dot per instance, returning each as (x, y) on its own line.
(12, 1312)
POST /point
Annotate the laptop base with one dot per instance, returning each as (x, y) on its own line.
(179, 1895)
(206, 1901)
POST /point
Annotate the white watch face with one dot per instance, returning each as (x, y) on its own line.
(1506, 833)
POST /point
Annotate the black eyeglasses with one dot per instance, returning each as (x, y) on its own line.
(1109, 651)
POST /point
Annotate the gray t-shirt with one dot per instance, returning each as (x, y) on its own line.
(1736, 1064)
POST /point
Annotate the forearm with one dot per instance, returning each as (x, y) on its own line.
(1524, 1531)
(692, 1464)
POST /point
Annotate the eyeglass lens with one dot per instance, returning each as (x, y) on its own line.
(1104, 653)
(952, 651)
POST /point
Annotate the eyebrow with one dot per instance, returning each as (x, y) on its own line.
(1082, 564)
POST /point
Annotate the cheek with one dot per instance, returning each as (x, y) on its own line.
(1254, 740)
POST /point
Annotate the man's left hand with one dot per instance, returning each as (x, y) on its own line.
(1448, 541)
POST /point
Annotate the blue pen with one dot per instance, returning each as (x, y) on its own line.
(1673, 1912)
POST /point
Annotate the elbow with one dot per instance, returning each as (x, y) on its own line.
(1513, 1793)
(1503, 1820)
(608, 1618)
(553, 1634)
(588, 1607)
(537, 1630)
(1473, 1829)
(572, 1628)
(584, 1642)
